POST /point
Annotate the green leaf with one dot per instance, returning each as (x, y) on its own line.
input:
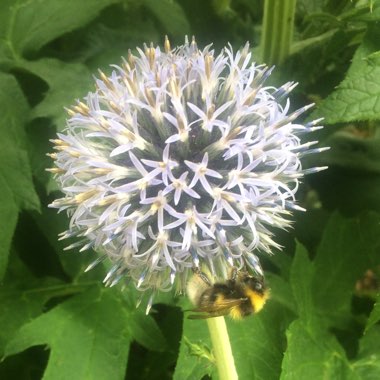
(15, 170)
(347, 249)
(39, 133)
(369, 12)
(310, 6)
(29, 25)
(67, 82)
(258, 342)
(260, 337)
(22, 297)
(282, 262)
(157, 365)
(313, 353)
(193, 361)
(16, 185)
(301, 276)
(8, 220)
(145, 331)
(50, 223)
(171, 16)
(222, 7)
(281, 291)
(323, 290)
(374, 317)
(358, 96)
(311, 349)
(367, 367)
(352, 151)
(87, 335)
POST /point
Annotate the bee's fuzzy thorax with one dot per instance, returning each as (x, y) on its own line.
(258, 299)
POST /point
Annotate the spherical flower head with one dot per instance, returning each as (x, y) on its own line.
(180, 159)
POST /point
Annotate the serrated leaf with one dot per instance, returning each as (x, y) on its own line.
(87, 336)
(29, 25)
(313, 353)
(358, 96)
(16, 184)
(345, 253)
(22, 297)
(67, 82)
(323, 290)
(171, 16)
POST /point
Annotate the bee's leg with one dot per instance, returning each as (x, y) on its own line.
(234, 272)
(202, 275)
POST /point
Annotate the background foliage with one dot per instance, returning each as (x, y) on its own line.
(322, 321)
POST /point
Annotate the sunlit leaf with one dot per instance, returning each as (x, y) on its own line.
(87, 335)
(313, 353)
(29, 25)
(358, 96)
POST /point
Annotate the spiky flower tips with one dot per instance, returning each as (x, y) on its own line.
(180, 158)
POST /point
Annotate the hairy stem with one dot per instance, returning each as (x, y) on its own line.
(277, 33)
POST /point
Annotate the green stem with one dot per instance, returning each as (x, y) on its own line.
(222, 348)
(277, 33)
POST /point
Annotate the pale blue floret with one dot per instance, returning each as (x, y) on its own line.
(180, 159)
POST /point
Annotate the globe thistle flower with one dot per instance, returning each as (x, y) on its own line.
(180, 159)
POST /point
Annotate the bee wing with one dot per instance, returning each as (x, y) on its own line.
(222, 308)
(212, 314)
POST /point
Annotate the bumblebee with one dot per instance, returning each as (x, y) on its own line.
(239, 296)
